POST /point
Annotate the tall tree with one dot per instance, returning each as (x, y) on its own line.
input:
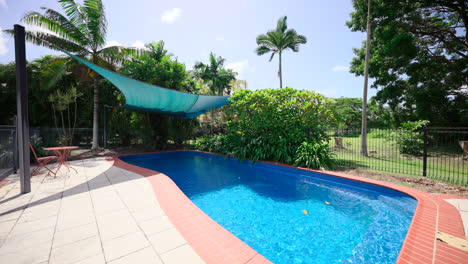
(420, 53)
(215, 75)
(82, 30)
(366, 80)
(278, 40)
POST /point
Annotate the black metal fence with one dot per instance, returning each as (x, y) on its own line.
(7, 150)
(438, 153)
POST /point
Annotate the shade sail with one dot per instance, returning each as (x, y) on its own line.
(151, 98)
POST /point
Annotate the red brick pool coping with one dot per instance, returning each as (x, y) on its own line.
(214, 244)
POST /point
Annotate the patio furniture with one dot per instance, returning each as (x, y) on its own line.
(42, 162)
(62, 154)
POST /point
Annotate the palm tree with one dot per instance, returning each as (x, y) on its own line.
(215, 75)
(82, 31)
(277, 40)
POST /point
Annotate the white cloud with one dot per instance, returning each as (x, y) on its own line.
(240, 67)
(3, 47)
(328, 92)
(170, 16)
(220, 38)
(112, 43)
(3, 4)
(340, 68)
(138, 44)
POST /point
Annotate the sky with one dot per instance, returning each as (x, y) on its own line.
(193, 29)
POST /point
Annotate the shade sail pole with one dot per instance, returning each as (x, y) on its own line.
(22, 125)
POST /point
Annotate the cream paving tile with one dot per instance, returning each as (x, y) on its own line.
(182, 254)
(77, 251)
(6, 226)
(75, 234)
(108, 204)
(34, 255)
(98, 259)
(124, 245)
(10, 216)
(116, 224)
(143, 214)
(155, 225)
(29, 216)
(32, 226)
(166, 240)
(25, 241)
(70, 220)
(144, 256)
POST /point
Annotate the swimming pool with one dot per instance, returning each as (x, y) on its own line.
(290, 215)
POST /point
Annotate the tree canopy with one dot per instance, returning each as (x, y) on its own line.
(419, 58)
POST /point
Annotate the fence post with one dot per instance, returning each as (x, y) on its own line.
(105, 126)
(22, 125)
(425, 151)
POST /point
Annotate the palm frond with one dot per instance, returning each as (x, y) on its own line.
(262, 49)
(282, 24)
(75, 13)
(96, 22)
(51, 41)
(72, 29)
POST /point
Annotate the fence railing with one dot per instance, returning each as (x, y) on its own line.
(433, 152)
(7, 150)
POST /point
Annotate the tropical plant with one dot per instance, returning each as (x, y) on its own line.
(82, 30)
(315, 155)
(271, 124)
(214, 75)
(278, 40)
(158, 66)
(61, 102)
(408, 139)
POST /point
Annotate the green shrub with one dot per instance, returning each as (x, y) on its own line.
(271, 124)
(408, 139)
(315, 156)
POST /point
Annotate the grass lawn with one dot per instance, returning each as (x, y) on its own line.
(445, 163)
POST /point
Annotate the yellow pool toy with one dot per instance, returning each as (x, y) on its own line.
(327, 202)
(305, 212)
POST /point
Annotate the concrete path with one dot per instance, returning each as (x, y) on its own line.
(462, 206)
(103, 214)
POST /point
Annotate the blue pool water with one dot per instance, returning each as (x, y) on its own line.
(263, 205)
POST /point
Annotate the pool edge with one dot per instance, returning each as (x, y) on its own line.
(215, 244)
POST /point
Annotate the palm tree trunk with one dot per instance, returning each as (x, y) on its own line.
(280, 72)
(95, 116)
(366, 79)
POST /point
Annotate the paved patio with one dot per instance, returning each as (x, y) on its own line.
(103, 214)
(109, 213)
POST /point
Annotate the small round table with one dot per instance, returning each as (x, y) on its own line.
(62, 156)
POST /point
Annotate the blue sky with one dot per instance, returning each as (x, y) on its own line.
(191, 29)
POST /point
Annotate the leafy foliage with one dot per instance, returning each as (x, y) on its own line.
(315, 155)
(214, 75)
(419, 56)
(348, 114)
(271, 124)
(409, 140)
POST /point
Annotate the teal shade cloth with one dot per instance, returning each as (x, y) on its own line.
(151, 98)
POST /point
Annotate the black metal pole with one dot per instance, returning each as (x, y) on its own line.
(105, 126)
(22, 109)
(425, 152)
